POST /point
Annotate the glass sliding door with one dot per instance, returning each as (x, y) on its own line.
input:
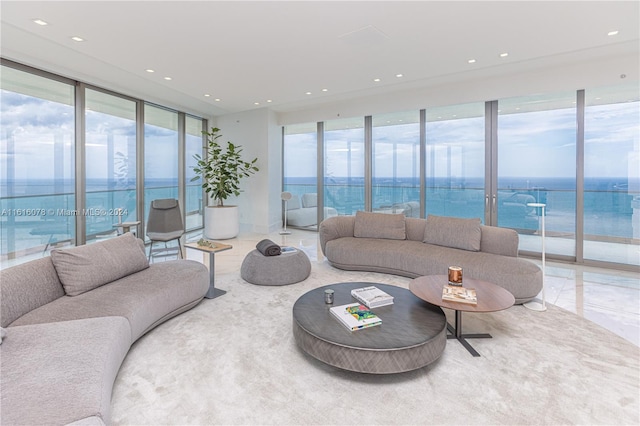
(110, 155)
(300, 174)
(160, 155)
(396, 163)
(344, 162)
(37, 163)
(537, 164)
(612, 175)
(455, 161)
(194, 204)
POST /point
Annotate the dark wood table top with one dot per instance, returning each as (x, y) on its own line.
(491, 297)
(408, 322)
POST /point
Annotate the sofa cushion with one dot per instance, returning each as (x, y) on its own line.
(453, 232)
(379, 225)
(293, 203)
(26, 287)
(310, 200)
(84, 268)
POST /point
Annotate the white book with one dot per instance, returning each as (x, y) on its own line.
(355, 316)
(372, 297)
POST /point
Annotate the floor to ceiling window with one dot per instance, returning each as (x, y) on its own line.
(537, 164)
(396, 163)
(300, 174)
(612, 175)
(160, 155)
(344, 162)
(44, 197)
(194, 204)
(455, 161)
(110, 153)
(37, 163)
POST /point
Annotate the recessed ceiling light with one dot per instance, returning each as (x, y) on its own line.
(269, 101)
(399, 75)
(40, 22)
(150, 70)
(167, 78)
(256, 103)
(217, 99)
(308, 93)
(325, 90)
(471, 61)
(376, 80)
(504, 55)
(206, 95)
(76, 38)
(612, 33)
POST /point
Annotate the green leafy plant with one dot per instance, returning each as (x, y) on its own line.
(222, 168)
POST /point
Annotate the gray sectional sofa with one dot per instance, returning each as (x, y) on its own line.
(68, 321)
(413, 247)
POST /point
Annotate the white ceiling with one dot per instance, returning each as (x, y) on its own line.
(246, 52)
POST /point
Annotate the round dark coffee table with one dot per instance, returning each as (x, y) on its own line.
(413, 333)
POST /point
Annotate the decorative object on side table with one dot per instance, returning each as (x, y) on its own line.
(455, 275)
(221, 171)
(535, 305)
(454, 293)
(372, 297)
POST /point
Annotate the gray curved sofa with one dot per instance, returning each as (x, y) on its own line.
(413, 247)
(70, 320)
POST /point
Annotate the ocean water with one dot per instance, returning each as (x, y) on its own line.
(33, 211)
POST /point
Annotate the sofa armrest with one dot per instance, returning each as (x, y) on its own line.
(335, 227)
(502, 241)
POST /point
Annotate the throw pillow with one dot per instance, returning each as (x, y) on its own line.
(379, 225)
(453, 232)
(84, 268)
(3, 334)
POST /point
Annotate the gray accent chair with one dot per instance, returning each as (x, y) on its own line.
(164, 225)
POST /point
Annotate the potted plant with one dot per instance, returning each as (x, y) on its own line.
(221, 171)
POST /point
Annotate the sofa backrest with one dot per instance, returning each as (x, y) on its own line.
(26, 287)
(502, 241)
(310, 200)
(293, 203)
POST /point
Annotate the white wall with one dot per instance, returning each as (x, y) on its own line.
(260, 136)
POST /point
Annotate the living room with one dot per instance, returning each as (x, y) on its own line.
(261, 103)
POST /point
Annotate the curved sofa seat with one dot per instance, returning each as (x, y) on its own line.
(70, 320)
(146, 298)
(496, 261)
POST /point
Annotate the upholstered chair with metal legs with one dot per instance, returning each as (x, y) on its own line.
(163, 225)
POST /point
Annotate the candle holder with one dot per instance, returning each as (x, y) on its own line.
(455, 275)
(328, 296)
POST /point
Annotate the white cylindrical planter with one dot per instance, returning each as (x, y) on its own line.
(221, 223)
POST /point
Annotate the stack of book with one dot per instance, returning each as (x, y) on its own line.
(355, 316)
(372, 297)
(459, 294)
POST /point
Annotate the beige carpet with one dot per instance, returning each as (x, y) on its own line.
(233, 360)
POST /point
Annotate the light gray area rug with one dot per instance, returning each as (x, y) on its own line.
(233, 360)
